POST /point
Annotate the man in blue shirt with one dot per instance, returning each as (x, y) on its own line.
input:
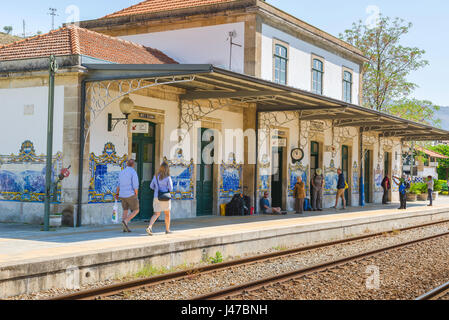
(403, 186)
(127, 191)
(265, 206)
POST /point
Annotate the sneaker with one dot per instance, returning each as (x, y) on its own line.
(168, 232)
(149, 231)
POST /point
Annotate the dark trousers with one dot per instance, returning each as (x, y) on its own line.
(403, 198)
(430, 195)
(299, 205)
(385, 196)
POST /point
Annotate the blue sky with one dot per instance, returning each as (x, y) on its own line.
(430, 20)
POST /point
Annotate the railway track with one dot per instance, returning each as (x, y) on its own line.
(254, 285)
(436, 293)
(110, 290)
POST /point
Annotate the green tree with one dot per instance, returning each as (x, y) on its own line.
(7, 29)
(421, 111)
(443, 164)
(385, 74)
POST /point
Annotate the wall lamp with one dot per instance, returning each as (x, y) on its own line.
(126, 107)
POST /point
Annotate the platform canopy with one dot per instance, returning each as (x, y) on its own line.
(210, 82)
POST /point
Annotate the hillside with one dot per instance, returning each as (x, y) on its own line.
(443, 114)
(6, 38)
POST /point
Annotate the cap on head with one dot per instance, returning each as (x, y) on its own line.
(319, 171)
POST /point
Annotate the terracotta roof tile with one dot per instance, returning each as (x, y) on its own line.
(150, 6)
(74, 40)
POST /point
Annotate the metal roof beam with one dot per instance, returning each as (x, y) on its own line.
(197, 95)
(335, 116)
(297, 108)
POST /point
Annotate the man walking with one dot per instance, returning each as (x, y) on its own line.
(318, 185)
(127, 191)
(430, 189)
(341, 187)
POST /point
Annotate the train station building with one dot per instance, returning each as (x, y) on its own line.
(237, 96)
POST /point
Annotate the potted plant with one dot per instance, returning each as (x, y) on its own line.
(56, 220)
(422, 188)
(413, 192)
(438, 186)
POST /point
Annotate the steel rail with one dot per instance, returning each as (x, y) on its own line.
(254, 285)
(435, 293)
(109, 290)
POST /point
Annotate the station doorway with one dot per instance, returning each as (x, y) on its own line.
(368, 176)
(345, 161)
(387, 170)
(204, 176)
(143, 150)
(276, 177)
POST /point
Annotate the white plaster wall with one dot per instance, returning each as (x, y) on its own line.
(99, 134)
(299, 74)
(15, 127)
(199, 45)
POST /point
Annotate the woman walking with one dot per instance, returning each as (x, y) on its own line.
(162, 185)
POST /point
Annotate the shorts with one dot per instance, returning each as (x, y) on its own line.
(131, 203)
(159, 206)
(341, 193)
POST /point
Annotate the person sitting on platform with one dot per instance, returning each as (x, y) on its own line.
(265, 206)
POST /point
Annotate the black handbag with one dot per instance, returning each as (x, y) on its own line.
(162, 196)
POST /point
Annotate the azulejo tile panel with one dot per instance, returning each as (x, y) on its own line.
(231, 178)
(22, 176)
(330, 179)
(264, 175)
(104, 171)
(378, 177)
(294, 171)
(355, 178)
(182, 174)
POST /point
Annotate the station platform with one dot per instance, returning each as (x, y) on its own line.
(32, 260)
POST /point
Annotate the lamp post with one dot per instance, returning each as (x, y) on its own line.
(53, 67)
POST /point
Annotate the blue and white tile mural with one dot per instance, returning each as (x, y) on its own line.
(355, 179)
(264, 175)
(378, 177)
(330, 179)
(22, 176)
(104, 174)
(394, 185)
(231, 178)
(182, 174)
(295, 170)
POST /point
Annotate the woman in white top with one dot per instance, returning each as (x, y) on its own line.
(162, 183)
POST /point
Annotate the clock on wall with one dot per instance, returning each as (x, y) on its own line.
(297, 155)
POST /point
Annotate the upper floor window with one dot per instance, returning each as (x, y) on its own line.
(317, 76)
(280, 64)
(347, 86)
